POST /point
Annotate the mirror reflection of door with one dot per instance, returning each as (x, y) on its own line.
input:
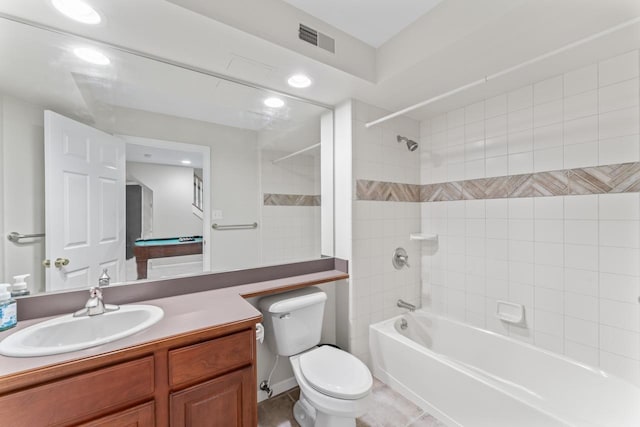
(84, 198)
(106, 196)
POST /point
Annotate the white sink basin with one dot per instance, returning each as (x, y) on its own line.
(67, 333)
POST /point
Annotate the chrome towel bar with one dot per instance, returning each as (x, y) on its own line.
(235, 227)
(16, 237)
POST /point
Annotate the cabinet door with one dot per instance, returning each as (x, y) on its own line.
(139, 416)
(227, 401)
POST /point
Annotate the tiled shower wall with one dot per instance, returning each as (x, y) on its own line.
(381, 226)
(573, 261)
(290, 210)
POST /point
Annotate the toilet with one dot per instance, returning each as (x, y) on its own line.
(335, 386)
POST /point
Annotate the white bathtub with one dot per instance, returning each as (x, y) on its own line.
(470, 377)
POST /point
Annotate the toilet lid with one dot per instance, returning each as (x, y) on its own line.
(336, 373)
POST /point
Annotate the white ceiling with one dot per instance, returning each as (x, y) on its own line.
(40, 67)
(372, 21)
(457, 42)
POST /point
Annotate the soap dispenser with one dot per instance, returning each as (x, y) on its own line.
(19, 288)
(8, 308)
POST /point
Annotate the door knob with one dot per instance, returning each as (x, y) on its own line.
(46, 263)
(61, 262)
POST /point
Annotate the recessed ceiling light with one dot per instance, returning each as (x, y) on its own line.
(91, 55)
(78, 11)
(299, 81)
(186, 162)
(274, 102)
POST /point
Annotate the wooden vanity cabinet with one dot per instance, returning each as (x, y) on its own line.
(206, 378)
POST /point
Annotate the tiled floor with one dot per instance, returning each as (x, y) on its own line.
(388, 409)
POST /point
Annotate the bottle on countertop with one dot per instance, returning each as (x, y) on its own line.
(19, 288)
(8, 308)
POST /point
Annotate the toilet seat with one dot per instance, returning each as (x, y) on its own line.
(336, 373)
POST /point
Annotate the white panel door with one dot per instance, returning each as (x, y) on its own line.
(84, 202)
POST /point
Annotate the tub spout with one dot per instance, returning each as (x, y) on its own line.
(404, 304)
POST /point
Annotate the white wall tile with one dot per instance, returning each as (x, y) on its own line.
(548, 137)
(624, 206)
(619, 288)
(581, 257)
(581, 155)
(579, 306)
(547, 90)
(497, 166)
(573, 261)
(520, 98)
(620, 261)
(619, 123)
(496, 126)
(623, 149)
(548, 160)
(620, 342)
(581, 331)
(623, 234)
(520, 163)
(581, 80)
(581, 207)
(581, 282)
(548, 207)
(548, 276)
(581, 130)
(549, 113)
(550, 300)
(497, 208)
(496, 146)
(520, 120)
(618, 96)
(495, 106)
(619, 68)
(581, 232)
(520, 141)
(620, 315)
(474, 112)
(581, 105)
(548, 230)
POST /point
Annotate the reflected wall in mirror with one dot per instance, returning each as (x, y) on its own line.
(149, 170)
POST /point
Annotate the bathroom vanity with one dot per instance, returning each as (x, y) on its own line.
(201, 378)
(196, 366)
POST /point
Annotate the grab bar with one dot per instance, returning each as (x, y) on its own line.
(235, 227)
(16, 237)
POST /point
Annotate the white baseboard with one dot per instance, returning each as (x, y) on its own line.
(278, 388)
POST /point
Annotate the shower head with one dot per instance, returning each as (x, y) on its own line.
(411, 145)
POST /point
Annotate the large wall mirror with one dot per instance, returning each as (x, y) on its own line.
(148, 170)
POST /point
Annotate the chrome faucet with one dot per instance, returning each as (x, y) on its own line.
(404, 304)
(104, 278)
(95, 305)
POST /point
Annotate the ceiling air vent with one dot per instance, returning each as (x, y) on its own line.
(316, 38)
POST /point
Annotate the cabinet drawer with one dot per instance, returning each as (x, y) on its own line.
(80, 397)
(139, 416)
(210, 358)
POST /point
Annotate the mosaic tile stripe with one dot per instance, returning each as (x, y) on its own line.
(273, 199)
(618, 178)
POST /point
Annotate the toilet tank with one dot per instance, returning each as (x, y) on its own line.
(293, 320)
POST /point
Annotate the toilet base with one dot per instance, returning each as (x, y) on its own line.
(307, 416)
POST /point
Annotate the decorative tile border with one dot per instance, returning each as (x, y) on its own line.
(387, 191)
(273, 199)
(619, 178)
